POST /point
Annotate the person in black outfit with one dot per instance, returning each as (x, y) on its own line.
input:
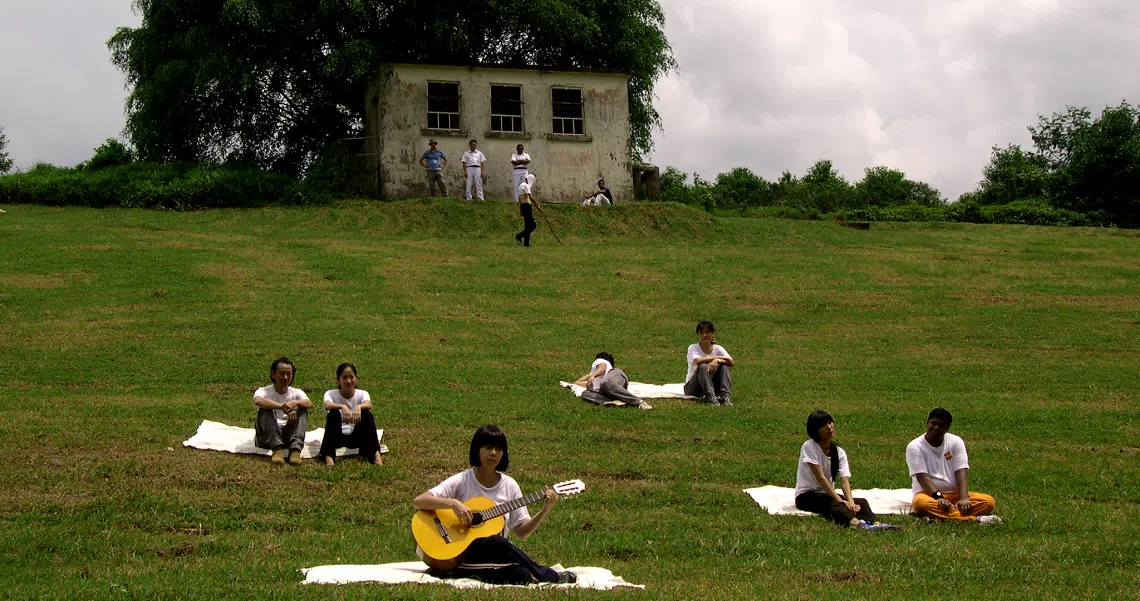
(526, 199)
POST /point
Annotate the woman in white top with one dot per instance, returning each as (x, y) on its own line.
(821, 462)
(605, 384)
(493, 559)
(349, 423)
(710, 373)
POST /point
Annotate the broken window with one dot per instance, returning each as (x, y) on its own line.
(443, 105)
(567, 105)
(506, 109)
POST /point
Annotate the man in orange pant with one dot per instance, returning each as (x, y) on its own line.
(938, 469)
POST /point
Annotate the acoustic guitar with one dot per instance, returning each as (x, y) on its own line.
(442, 541)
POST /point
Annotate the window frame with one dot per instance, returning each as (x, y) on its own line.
(454, 119)
(515, 118)
(558, 123)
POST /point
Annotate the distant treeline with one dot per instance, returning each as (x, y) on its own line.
(1082, 171)
(114, 178)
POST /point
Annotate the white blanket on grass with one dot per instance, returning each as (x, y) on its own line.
(215, 436)
(415, 572)
(780, 500)
(641, 391)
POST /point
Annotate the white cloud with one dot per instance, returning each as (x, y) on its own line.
(924, 87)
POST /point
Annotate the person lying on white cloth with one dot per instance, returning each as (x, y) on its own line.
(607, 385)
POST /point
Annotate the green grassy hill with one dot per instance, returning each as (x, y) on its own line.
(123, 329)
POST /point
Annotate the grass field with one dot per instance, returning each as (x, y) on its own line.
(122, 330)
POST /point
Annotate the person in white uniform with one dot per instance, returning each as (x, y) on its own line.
(473, 160)
(520, 168)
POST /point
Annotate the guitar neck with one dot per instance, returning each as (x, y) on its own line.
(509, 506)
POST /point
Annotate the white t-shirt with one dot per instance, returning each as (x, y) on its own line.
(597, 384)
(524, 188)
(939, 463)
(334, 396)
(695, 352)
(473, 159)
(521, 157)
(812, 454)
(291, 394)
(465, 485)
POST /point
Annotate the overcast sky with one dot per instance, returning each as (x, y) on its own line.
(923, 86)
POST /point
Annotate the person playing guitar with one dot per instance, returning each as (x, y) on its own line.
(492, 559)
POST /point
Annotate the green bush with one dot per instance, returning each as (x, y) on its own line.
(1027, 212)
(111, 154)
(1038, 211)
(178, 186)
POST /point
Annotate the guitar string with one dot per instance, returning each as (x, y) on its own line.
(510, 506)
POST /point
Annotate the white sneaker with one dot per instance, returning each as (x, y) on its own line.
(990, 519)
(644, 406)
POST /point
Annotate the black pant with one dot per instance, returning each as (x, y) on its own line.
(363, 437)
(823, 504)
(495, 560)
(529, 224)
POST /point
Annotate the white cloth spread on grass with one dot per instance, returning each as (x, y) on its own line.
(215, 436)
(642, 391)
(415, 572)
(780, 500)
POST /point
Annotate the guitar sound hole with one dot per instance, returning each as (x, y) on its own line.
(476, 519)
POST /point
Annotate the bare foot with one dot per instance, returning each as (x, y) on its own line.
(329, 461)
(379, 459)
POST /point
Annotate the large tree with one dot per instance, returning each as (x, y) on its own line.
(1095, 162)
(273, 82)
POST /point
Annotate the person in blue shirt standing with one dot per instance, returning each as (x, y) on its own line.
(434, 161)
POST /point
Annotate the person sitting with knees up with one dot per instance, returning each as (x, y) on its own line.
(605, 383)
(349, 423)
(282, 414)
(939, 468)
(710, 366)
(602, 197)
(821, 463)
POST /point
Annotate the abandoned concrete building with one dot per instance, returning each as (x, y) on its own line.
(573, 124)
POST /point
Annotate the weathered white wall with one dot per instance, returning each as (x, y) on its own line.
(566, 168)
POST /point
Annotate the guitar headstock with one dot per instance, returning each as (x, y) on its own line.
(569, 488)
